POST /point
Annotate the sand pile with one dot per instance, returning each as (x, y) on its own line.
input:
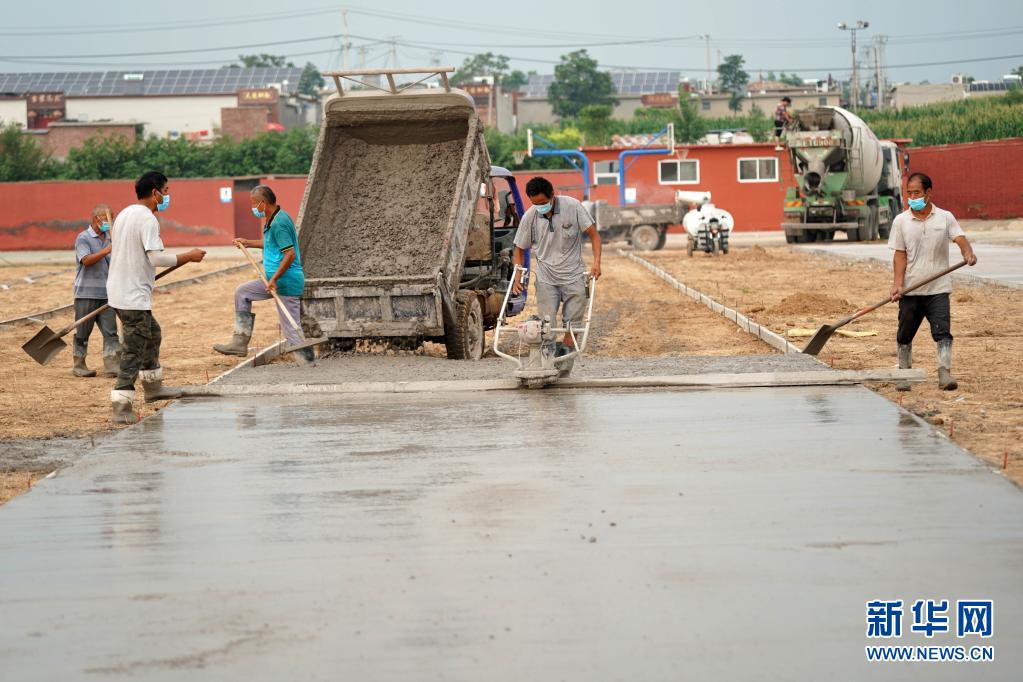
(754, 253)
(381, 199)
(805, 303)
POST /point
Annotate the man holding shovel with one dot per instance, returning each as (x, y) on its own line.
(284, 277)
(920, 238)
(136, 252)
(92, 253)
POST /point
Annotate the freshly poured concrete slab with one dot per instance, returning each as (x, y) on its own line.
(378, 367)
(996, 263)
(541, 535)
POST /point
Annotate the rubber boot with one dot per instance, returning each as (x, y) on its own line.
(111, 358)
(80, 370)
(905, 353)
(152, 384)
(304, 356)
(946, 381)
(123, 411)
(239, 343)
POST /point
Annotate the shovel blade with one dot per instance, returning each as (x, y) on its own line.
(44, 346)
(816, 344)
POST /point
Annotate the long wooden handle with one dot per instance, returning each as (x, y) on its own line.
(916, 285)
(103, 308)
(262, 276)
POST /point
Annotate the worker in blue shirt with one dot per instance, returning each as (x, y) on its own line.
(283, 264)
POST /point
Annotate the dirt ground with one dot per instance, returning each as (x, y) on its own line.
(53, 285)
(39, 402)
(785, 290)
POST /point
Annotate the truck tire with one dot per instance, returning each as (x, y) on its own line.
(644, 237)
(884, 231)
(463, 338)
(853, 235)
(791, 238)
(662, 241)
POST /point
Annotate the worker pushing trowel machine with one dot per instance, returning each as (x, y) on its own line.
(546, 359)
(551, 232)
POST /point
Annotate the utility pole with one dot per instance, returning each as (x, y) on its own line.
(394, 51)
(362, 56)
(709, 89)
(882, 78)
(854, 85)
(347, 45)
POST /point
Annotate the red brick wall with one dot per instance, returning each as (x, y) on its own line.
(975, 180)
(241, 123)
(59, 140)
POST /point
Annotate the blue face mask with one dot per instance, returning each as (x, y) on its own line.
(259, 214)
(104, 227)
(165, 204)
(918, 204)
(543, 209)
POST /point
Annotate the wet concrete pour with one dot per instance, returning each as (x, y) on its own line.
(590, 535)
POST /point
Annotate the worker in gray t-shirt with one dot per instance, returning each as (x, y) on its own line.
(554, 226)
(92, 254)
(920, 239)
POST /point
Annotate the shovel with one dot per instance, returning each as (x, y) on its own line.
(824, 333)
(46, 344)
(306, 343)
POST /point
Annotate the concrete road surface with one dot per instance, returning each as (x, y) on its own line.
(572, 535)
(996, 263)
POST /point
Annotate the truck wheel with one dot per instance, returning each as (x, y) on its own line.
(662, 241)
(464, 336)
(853, 235)
(884, 231)
(644, 237)
(791, 238)
(689, 245)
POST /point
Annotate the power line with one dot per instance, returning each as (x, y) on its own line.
(38, 31)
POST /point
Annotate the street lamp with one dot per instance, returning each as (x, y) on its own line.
(854, 89)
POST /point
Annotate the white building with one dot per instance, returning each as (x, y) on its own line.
(168, 103)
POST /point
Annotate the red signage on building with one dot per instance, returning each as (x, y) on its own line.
(45, 108)
(659, 100)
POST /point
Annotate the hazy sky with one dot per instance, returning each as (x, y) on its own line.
(58, 35)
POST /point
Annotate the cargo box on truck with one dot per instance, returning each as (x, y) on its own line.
(394, 193)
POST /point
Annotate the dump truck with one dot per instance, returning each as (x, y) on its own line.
(846, 180)
(397, 230)
(644, 226)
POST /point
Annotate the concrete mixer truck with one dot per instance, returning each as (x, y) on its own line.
(845, 178)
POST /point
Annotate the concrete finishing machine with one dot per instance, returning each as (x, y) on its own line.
(397, 230)
(846, 179)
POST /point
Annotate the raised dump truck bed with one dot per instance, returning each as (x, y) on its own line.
(391, 197)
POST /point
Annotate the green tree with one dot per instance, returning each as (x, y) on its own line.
(758, 125)
(772, 77)
(691, 127)
(595, 122)
(578, 83)
(489, 65)
(478, 66)
(733, 79)
(263, 59)
(790, 79)
(311, 80)
(21, 158)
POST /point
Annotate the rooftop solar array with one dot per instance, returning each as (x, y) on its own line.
(625, 82)
(222, 81)
(990, 87)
